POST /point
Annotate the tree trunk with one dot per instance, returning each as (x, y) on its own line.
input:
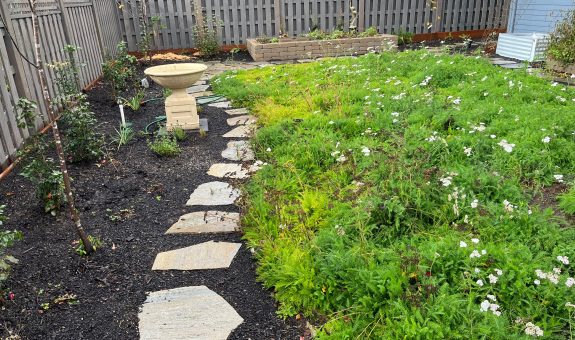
(56, 132)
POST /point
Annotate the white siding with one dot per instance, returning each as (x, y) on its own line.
(528, 16)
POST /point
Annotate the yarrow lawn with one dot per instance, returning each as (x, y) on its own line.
(413, 195)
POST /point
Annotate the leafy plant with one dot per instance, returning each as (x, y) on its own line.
(404, 37)
(46, 177)
(317, 35)
(7, 238)
(66, 77)
(124, 135)
(206, 40)
(134, 102)
(94, 241)
(165, 146)
(119, 72)
(26, 112)
(82, 141)
(371, 31)
(179, 134)
(562, 40)
(567, 201)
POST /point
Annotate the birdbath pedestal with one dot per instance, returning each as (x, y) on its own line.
(181, 111)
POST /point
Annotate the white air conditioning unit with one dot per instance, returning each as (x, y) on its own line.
(523, 46)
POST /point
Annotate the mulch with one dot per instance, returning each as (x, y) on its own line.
(128, 200)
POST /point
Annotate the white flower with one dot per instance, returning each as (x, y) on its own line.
(569, 304)
(446, 181)
(484, 307)
(476, 270)
(479, 283)
(395, 114)
(492, 297)
(331, 122)
(467, 151)
(557, 270)
(483, 252)
(269, 149)
(474, 204)
(563, 259)
(570, 282)
(558, 178)
(474, 253)
(365, 150)
(457, 101)
(546, 139)
(493, 136)
(540, 274)
(475, 240)
(554, 278)
(537, 282)
(531, 329)
(498, 271)
(462, 244)
(508, 206)
(341, 159)
(492, 278)
(508, 147)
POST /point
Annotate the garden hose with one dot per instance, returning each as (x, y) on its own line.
(158, 120)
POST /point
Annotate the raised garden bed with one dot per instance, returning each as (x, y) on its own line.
(301, 48)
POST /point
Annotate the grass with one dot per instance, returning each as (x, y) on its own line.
(397, 199)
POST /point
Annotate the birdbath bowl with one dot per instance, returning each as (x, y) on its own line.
(181, 108)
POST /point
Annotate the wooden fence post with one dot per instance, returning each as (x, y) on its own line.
(278, 4)
(438, 17)
(98, 29)
(361, 15)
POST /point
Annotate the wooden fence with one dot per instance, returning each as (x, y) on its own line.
(96, 26)
(237, 20)
(61, 22)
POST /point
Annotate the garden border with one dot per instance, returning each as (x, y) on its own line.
(308, 49)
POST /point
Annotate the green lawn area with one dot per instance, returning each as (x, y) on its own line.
(401, 199)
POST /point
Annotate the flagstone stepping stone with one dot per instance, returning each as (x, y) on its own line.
(187, 313)
(241, 120)
(200, 82)
(499, 61)
(238, 151)
(206, 222)
(202, 94)
(207, 255)
(233, 170)
(240, 111)
(513, 66)
(222, 105)
(197, 88)
(242, 131)
(214, 193)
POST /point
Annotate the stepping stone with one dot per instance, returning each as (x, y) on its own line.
(499, 61)
(222, 105)
(241, 120)
(187, 313)
(197, 88)
(512, 66)
(232, 170)
(206, 222)
(200, 82)
(242, 111)
(242, 131)
(202, 94)
(214, 193)
(238, 151)
(207, 255)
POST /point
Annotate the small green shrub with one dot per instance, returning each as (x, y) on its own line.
(82, 141)
(206, 40)
(567, 201)
(119, 73)
(337, 34)
(165, 146)
(562, 40)
(369, 32)
(179, 134)
(405, 37)
(317, 35)
(124, 135)
(134, 102)
(45, 175)
(95, 241)
(263, 40)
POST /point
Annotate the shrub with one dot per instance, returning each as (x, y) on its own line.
(165, 146)
(179, 134)
(206, 40)
(405, 37)
(567, 201)
(369, 32)
(82, 141)
(119, 72)
(562, 40)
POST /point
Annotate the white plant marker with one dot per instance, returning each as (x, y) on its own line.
(122, 115)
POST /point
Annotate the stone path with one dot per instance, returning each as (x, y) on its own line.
(197, 312)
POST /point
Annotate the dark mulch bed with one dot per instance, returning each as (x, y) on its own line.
(128, 201)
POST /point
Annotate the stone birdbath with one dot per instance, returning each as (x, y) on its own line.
(181, 108)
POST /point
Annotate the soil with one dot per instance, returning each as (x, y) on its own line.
(127, 200)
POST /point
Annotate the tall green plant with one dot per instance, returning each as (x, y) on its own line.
(119, 73)
(562, 40)
(7, 238)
